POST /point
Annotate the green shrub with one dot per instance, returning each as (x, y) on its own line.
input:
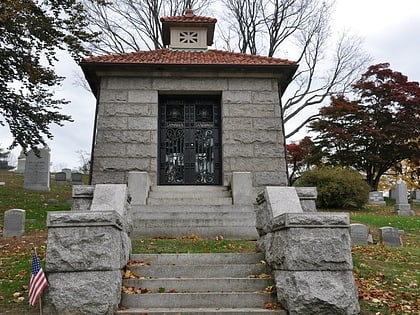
(337, 187)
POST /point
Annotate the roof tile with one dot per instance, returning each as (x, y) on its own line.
(185, 57)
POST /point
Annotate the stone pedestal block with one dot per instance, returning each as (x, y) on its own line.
(83, 241)
(310, 249)
(82, 293)
(317, 292)
(309, 241)
(272, 202)
(113, 197)
(403, 209)
(138, 187)
(242, 188)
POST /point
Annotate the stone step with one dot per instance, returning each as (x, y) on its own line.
(194, 194)
(199, 311)
(198, 300)
(186, 188)
(190, 201)
(199, 271)
(201, 259)
(210, 232)
(196, 218)
(184, 285)
(226, 283)
(190, 208)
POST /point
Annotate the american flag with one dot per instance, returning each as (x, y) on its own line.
(38, 281)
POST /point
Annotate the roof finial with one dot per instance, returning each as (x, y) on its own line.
(189, 13)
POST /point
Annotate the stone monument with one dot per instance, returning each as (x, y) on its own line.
(390, 236)
(21, 163)
(14, 223)
(37, 170)
(402, 207)
(377, 198)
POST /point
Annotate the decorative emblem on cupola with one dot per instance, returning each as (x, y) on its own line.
(188, 31)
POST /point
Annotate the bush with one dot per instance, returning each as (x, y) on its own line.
(337, 187)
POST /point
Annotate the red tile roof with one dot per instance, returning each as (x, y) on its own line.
(188, 17)
(181, 57)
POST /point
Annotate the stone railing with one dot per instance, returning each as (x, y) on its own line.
(308, 252)
(86, 252)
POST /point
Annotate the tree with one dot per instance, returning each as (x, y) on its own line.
(301, 156)
(84, 159)
(259, 27)
(31, 33)
(303, 26)
(132, 25)
(376, 130)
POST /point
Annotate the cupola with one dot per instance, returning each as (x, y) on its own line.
(188, 31)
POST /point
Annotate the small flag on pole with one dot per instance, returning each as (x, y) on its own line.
(38, 281)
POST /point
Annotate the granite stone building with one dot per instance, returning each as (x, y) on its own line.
(186, 114)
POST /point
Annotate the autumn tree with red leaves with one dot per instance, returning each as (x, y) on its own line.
(301, 156)
(376, 130)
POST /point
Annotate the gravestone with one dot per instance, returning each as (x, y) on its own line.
(37, 170)
(359, 234)
(390, 236)
(377, 198)
(60, 178)
(416, 196)
(67, 171)
(14, 223)
(392, 193)
(77, 178)
(21, 163)
(402, 207)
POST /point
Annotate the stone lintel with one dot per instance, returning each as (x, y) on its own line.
(311, 220)
(84, 218)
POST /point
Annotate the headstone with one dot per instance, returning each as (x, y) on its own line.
(67, 171)
(37, 170)
(60, 178)
(416, 196)
(77, 178)
(14, 223)
(359, 234)
(402, 207)
(392, 193)
(21, 163)
(390, 236)
(377, 198)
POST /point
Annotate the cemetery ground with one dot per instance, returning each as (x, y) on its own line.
(388, 277)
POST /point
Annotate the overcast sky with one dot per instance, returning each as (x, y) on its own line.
(391, 33)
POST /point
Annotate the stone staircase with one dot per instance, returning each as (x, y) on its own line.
(207, 211)
(198, 284)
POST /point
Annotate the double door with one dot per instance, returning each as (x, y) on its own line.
(189, 141)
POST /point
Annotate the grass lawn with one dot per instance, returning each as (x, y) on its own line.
(387, 277)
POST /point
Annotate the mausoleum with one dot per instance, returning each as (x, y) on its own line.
(184, 137)
(186, 114)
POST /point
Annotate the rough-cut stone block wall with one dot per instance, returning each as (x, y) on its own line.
(126, 137)
(252, 135)
(252, 131)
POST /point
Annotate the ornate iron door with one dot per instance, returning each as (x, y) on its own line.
(189, 141)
